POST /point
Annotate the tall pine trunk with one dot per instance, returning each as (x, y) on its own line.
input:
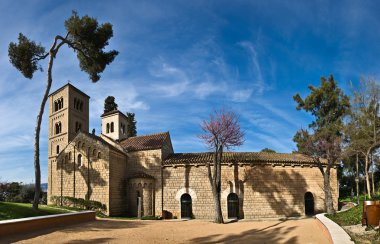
(37, 168)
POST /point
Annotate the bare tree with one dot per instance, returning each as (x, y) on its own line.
(221, 132)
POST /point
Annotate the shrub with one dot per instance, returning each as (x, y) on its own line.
(79, 203)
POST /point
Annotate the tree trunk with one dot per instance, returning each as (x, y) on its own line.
(214, 177)
(367, 176)
(327, 190)
(372, 175)
(357, 178)
(217, 207)
(373, 182)
(37, 170)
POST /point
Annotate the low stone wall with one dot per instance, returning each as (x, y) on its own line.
(15, 226)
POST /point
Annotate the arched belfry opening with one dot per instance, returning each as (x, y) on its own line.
(186, 206)
(309, 203)
(233, 206)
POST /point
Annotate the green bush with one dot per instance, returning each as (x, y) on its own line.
(79, 203)
(150, 217)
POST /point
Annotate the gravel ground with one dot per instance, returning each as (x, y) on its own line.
(193, 231)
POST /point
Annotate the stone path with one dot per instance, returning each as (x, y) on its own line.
(193, 231)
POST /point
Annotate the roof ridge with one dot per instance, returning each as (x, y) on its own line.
(154, 134)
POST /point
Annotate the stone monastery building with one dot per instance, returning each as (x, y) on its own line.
(117, 170)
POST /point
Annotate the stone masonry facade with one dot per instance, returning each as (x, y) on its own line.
(116, 171)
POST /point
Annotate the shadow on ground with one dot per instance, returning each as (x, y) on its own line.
(102, 225)
(271, 234)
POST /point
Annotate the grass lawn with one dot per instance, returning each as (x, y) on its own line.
(352, 216)
(11, 210)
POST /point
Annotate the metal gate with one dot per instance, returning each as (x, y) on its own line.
(233, 206)
(186, 208)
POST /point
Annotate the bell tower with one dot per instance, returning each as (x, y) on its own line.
(68, 114)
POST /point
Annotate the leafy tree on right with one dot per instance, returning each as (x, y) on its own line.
(323, 140)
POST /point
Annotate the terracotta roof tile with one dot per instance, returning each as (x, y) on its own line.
(239, 157)
(146, 142)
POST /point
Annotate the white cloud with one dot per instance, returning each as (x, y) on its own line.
(241, 95)
(256, 67)
(205, 89)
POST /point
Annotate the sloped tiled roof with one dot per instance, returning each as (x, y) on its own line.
(239, 157)
(145, 142)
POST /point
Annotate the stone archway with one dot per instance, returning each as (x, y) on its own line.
(186, 206)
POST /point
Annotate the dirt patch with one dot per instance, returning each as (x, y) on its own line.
(362, 235)
(193, 231)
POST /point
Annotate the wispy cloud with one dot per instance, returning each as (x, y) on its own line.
(259, 82)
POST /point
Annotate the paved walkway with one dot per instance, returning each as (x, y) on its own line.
(193, 231)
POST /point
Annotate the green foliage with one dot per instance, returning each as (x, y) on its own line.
(268, 150)
(88, 40)
(131, 125)
(150, 218)
(329, 106)
(79, 203)
(25, 55)
(10, 210)
(84, 36)
(363, 129)
(352, 216)
(17, 192)
(110, 104)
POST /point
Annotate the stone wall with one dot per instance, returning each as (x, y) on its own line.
(148, 162)
(88, 178)
(263, 190)
(117, 184)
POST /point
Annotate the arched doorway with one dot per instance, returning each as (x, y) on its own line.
(309, 203)
(186, 208)
(233, 206)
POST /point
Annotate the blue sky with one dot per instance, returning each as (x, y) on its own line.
(181, 60)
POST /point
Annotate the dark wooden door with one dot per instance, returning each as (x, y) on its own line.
(186, 208)
(233, 206)
(309, 203)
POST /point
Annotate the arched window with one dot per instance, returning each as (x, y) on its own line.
(99, 155)
(81, 106)
(309, 203)
(61, 102)
(108, 128)
(58, 128)
(94, 153)
(78, 126)
(57, 149)
(55, 106)
(137, 197)
(80, 160)
(186, 206)
(112, 127)
(233, 206)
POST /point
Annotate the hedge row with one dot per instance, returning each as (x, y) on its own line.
(79, 203)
